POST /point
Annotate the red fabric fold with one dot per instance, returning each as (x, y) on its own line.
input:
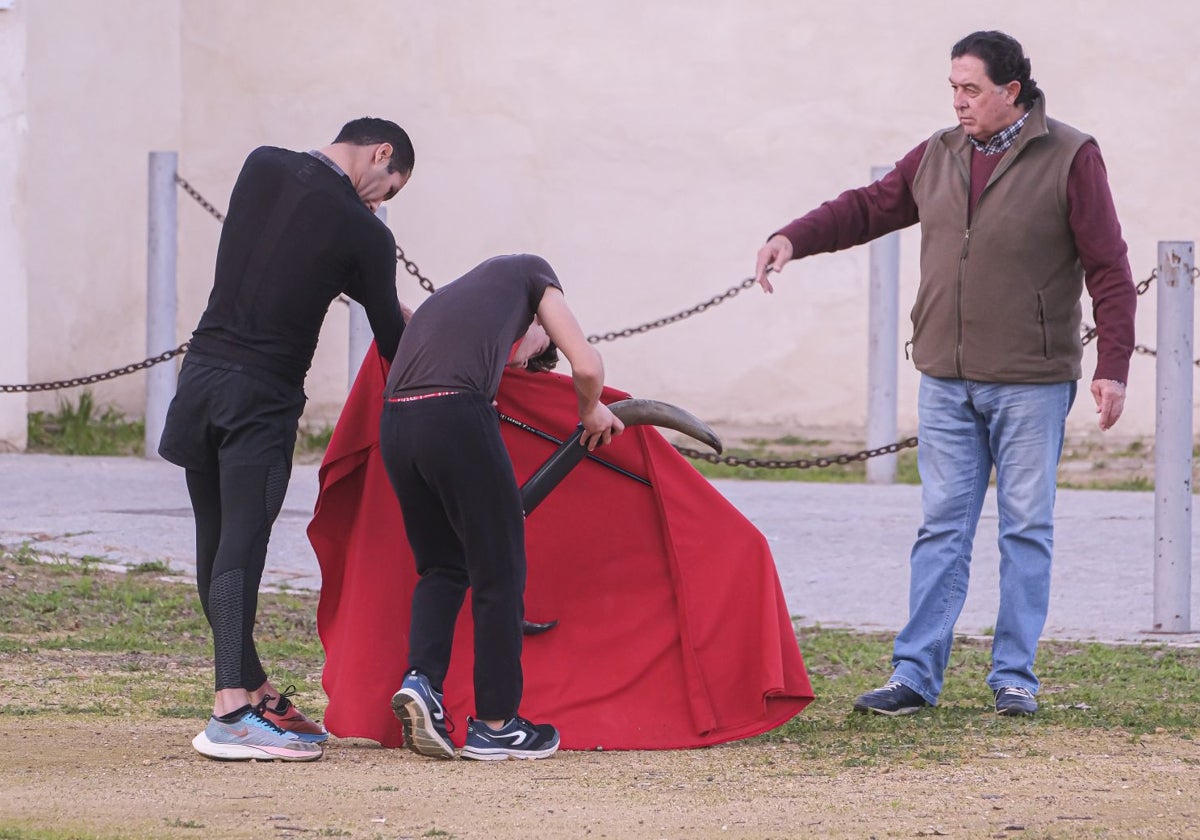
(672, 632)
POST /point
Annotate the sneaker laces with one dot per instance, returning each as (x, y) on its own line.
(285, 700)
(258, 719)
(1016, 689)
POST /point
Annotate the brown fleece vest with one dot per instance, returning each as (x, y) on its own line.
(999, 301)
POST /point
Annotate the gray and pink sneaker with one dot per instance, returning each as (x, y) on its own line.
(245, 735)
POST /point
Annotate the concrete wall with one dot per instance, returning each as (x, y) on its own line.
(14, 129)
(646, 149)
(104, 90)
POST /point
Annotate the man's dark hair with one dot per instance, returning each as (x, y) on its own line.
(1003, 60)
(369, 131)
(545, 361)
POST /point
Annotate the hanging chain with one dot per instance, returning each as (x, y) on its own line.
(201, 200)
(715, 300)
(799, 463)
(95, 377)
(411, 268)
(1089, 332)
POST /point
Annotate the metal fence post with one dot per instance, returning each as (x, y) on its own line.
(1174, 370)
(160, 293)
(882, 335)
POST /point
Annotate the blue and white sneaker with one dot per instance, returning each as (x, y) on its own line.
(248, 735)
(423, 717)
(516, 739)
(893, 699)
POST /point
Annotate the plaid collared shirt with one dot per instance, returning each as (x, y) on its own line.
(1001, 140)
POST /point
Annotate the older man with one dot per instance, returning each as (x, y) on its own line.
(1016, 216)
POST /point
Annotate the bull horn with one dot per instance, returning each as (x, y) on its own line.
(632, 413)
(637, 412)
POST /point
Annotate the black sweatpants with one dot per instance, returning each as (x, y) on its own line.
(462, 510)
(234, 433)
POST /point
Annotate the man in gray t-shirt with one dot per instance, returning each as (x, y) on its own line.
(465, 332)
(441, 445)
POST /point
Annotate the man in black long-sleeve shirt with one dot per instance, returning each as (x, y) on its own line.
(301, 230)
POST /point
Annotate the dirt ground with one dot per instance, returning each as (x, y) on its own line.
(112, 778)
(107, 777)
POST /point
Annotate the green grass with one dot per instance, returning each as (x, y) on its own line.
(11, 832)
(96, 640)
(83, 428)
(1138, 483)
(92, 643)
(763, 450)
(311, 442)
(1135, 689)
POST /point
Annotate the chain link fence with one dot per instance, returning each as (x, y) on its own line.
(1089, 333)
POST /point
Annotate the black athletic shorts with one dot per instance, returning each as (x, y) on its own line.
(231, 414)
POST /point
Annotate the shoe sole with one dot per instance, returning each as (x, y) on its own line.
(907, 710)
(1015, 712)
(248, 752)
(419, 734)
(502, 754)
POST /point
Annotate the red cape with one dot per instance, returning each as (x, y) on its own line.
(673, 631)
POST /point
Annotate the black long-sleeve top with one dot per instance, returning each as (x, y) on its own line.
(296, 236)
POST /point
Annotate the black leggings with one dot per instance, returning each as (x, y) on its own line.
(462, 510)
(235, 507)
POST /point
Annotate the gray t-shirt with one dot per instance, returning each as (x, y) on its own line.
(460, 337)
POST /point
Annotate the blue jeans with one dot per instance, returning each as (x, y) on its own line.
(966, 428)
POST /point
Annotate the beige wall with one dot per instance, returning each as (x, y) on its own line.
(104, 90)
(14, 128)
(646, 149)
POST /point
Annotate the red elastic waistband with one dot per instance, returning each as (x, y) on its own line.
(424, 396)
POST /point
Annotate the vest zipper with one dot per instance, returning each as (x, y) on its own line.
(958, 300)
(1041, 316)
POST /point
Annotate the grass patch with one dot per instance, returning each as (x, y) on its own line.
(1086, 464)
(82, 640)
(150, 567)
(82, 428)
(1138, 483)
(790, 448)
(12, 832)
(111, 643)
(1138, 689)
(311, 443)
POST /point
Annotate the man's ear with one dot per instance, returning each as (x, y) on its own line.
(383, 152)
(1013, 89)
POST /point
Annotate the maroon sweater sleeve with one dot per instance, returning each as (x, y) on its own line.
(858, 216)
(1105, 259)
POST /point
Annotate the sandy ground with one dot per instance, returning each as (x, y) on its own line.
(107, 777)
(112, 778)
